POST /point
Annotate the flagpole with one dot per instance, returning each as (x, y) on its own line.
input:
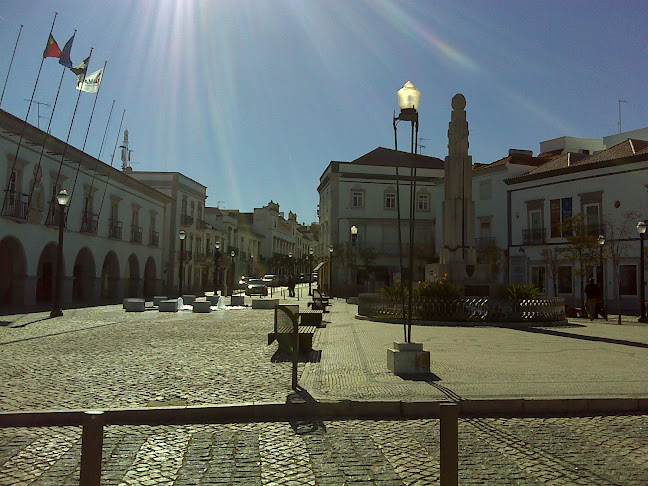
(22, 130)
(111, 163)
(88, 130)
(94, 174)
(10, 64)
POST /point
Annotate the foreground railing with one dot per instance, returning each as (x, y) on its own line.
(465, 309)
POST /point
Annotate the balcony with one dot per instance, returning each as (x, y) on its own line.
(136, 234)
(114, 229)
(200, 257)
(15, 205)
(89, 223)
(53, 215)
(534, 236)
(485, 243)
(154, 238)
(201, 224)
(186, 220)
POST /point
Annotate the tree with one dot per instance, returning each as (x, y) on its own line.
(491, 253)
(620, 229)
(582, 248)
(552, 257)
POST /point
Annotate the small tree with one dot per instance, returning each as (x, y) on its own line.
(491, 253)
(620, 228)
(582, 248)
(552, 257)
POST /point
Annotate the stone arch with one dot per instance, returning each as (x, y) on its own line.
(150, 276)
(110, 276)
(13, 271)
(133, 269)
(83, 275)
(47, 272)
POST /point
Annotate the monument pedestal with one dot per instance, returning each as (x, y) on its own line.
(408, 359)
(477, 279)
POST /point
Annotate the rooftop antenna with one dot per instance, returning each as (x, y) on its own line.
(620, 101)
(38, 103)
(218, 203)
(126, 153)
(421, 146)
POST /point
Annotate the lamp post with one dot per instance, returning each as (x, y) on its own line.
(601, 243)
(354, 238)
(182, 235)
(62, 198)
(252, 264)
(641, 228)
(331, 270)
(233, 269)
(310, 265)
(217, 257)
(408, 101)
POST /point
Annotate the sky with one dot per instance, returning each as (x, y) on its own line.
(254, 98)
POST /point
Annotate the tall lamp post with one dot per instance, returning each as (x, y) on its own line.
(641, 228)
(408, 101)
(601, 243)
(252, 273)
(182, 235)
(217, 258)
(310, 266)
(62, 198)
(331, 270)
(354, 239)
(232, 278)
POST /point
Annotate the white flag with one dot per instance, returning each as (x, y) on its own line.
(91, 82)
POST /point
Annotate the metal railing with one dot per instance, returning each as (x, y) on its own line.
(154, 238)
(534, 236)
(136, 234)
(186, 220)
(115, 229)
(89, 223)
(15, 205)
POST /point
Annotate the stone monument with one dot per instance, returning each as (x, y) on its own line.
(458, 256)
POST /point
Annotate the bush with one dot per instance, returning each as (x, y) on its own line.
(439, 289)
(521, 292)
(392, 290)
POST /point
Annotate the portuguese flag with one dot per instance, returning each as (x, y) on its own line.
(52, 49)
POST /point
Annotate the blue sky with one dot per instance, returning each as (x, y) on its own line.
(254, 98)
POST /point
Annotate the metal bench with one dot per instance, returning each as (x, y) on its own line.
(320, 302)
(311, 318)
(285, 326)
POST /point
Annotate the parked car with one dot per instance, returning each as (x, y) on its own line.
(283, 280)
(271, 280)
(256, 286)
(242, 283)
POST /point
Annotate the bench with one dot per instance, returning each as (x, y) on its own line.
(320, 302)
(134, 305)
(311, 318)
(202, 306)
(285, 323)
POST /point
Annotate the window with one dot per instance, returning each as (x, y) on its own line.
(390, 200)
(592, 220)
(114, 211)
(184, 206)
(535, 219)
(357, 199)
(199, 213)
(423, 203)
(485, 228)
(135, 220)
(12, 181)
(485, 190)
(538, 278)
(564, 280)
(193, 207)
(560, 212)
(152, 222)
(628, 279)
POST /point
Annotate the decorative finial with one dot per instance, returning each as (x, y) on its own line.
(458, 102)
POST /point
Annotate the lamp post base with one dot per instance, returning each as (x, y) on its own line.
(56, 312)
(643, 319)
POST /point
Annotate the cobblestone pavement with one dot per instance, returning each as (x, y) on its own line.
(102, 357)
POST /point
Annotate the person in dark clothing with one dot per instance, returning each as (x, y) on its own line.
(291, 286)
(593, 294)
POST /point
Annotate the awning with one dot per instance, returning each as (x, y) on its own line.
(319, 265)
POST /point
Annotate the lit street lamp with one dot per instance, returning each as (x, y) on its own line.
(217, 258)
(601, 243)
(310, 264)
(182, 235)
(641, 228)
(252, 272)
(331, 270)
(233, 269)
(62, 198)
(354, 239)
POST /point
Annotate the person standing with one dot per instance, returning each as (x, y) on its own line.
(291, 286)
(592, 293)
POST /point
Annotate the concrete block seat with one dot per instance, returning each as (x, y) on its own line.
(264, 303)
(237, 300)
(134, 305)
(158, 298)
(170, 305)
(213, 299)
(202, 306)
(188, 299)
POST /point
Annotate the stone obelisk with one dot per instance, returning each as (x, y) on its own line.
(458, 208)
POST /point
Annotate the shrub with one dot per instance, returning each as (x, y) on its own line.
(392, 290)
(439, 289)
(521, 292)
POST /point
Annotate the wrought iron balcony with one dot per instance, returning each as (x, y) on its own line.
(534, 236)
(15, 205)
(115, 229)
(186, 220)
(89, 223)
(154, 238)
(53, 215)
(485, 243)
(136, 234)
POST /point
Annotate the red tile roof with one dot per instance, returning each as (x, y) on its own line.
(392, 158)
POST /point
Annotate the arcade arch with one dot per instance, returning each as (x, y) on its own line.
(13, 271)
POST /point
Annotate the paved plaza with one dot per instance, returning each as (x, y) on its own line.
(103, 357)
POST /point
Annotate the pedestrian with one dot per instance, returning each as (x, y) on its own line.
(291, 286)
(592, 293)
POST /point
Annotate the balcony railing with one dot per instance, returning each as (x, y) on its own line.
(534, 236)
(201, 224)
(485, 243)
(89, 223)
(15, 205)
(136, 234)
(53, 215)
(186, 220)
(114, 229)
(154, 238)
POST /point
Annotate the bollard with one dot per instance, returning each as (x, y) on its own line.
(91, 444)
(449, 413)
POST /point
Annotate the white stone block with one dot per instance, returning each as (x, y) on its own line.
(408, 359)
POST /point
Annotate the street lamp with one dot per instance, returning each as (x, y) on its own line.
(290, 275)
(233, 269)
(252, 264)
(217, 257)
(62, 198)
(310, 265)
(354, 238)
(601, 242)
(408, 101)
(182, 235)
(331, 270)
(641, 228)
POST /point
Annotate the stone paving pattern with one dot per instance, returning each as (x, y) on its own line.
(103, 357)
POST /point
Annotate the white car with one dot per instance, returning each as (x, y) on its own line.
(271, 280)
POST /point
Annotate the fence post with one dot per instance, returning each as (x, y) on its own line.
(91, 444)
(449, 413)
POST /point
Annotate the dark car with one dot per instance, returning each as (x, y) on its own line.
(256, 286)
(271, 280)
